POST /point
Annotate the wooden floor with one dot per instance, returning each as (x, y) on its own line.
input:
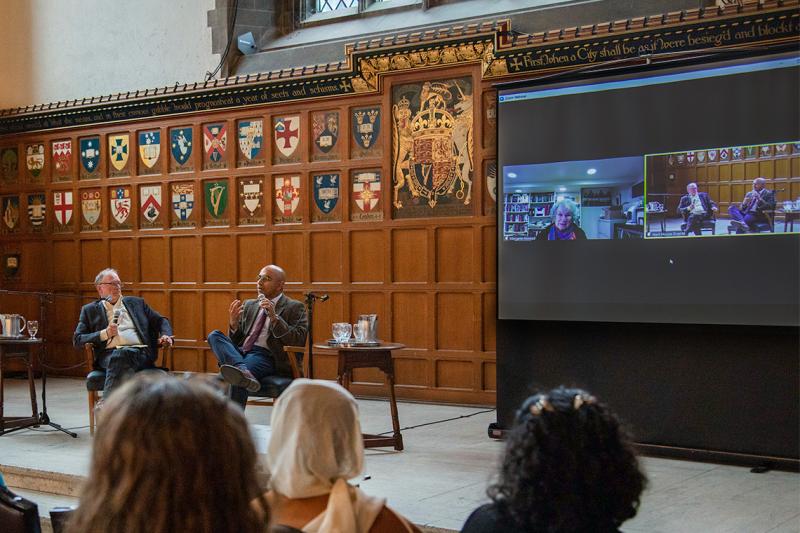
(431, 484)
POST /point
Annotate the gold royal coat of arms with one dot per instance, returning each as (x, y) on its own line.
(432, 143)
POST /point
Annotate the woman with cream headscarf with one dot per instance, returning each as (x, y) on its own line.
(316, 446)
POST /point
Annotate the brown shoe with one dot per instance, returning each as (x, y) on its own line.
(240, 377)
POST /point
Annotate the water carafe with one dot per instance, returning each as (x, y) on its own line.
(12, 325)
(371, 322)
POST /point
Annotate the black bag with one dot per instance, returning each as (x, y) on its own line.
(18, 515)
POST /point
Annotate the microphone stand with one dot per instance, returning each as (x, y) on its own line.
(310, 299)
(44, 299)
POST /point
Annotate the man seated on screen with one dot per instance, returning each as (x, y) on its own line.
(124, 331)
(696, 208)
(563, 227)
(752, 212)
(258, 329)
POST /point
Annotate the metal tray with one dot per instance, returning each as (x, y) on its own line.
(353, 344)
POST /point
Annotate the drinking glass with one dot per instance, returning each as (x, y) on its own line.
(360, 331)
(33, 328)
(341, 332)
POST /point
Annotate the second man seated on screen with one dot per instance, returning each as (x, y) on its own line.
(258, 329)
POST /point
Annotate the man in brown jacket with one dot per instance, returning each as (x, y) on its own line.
(258, 329)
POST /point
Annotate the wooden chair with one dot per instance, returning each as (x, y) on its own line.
(273, 386)
(18, 515)
(709, 224)
(96, 378)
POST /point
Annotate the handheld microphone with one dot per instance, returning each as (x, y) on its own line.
(117, 312)
(323, 297)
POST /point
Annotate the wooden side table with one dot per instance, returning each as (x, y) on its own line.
(14, 423)
(380, 357)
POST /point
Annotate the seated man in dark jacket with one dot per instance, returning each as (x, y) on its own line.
(258, 329)
(124, 331)
(752, 212)
(696, 208)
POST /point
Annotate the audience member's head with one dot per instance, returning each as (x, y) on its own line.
(316, 439)
(568, 466)
(315, 447)
(170, 455)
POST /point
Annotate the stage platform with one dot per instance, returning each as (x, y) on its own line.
(436, 481)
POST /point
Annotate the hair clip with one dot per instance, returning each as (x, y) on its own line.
(542, 404)
(580, 399)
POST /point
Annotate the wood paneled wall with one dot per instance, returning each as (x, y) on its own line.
(430, 280)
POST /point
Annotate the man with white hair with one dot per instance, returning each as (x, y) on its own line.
(751, 213)
(696, 208)
(124, 331)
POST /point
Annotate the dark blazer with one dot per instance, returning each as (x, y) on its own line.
(148, 323)
(686, 203)
(765, 201)
(289, 329)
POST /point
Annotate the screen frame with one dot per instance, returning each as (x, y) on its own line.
(698, 60)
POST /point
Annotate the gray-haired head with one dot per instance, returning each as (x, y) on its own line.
(565, 203)
(103, 273)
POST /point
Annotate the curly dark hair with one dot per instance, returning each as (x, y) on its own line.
(569, 466)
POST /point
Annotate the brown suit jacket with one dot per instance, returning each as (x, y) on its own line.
(289, 329)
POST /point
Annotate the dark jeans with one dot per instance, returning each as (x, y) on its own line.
(751, 219)
(259, 361)
(121, 364)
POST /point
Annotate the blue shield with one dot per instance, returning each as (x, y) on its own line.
(181, 144)
(366, 125)
(90, 153)
(326, 191)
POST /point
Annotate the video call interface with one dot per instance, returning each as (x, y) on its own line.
(699, 165)
(694, 193)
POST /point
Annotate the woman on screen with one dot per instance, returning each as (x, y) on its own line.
(563, 227)
(568, 466)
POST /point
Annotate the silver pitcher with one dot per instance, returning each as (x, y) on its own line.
(371, 322)
(12, 325)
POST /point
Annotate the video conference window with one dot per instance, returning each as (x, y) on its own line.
(668, 177)
(703, 193)
(574, 200)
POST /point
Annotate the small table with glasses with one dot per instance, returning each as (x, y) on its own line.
(380, 357)
(18, 348)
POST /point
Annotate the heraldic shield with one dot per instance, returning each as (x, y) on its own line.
(63, 206)
(326, 191)
(10, 212)
(216, 195)
(251, 137)
(215, 141)
(149, 147)
(366, 126)
(62, 156)
(118, 150)
(90, 153)
(150, 200)
(181, 144)
(34, 158)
